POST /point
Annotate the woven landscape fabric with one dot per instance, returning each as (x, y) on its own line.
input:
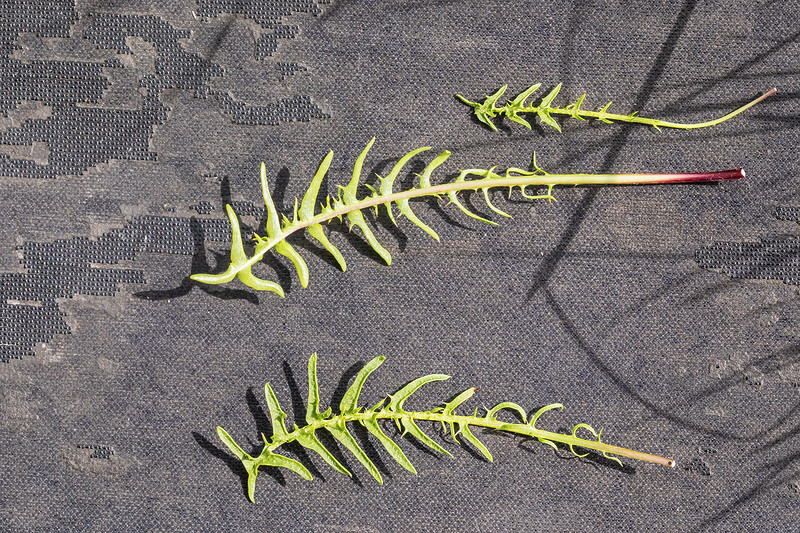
(667, 315)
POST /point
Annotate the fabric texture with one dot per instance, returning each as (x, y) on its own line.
(662, 314)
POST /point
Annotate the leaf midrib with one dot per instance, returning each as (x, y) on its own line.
(519, 429)
(493, 180)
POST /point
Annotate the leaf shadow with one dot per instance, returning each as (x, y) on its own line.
(357, 243)
(768, 364)
(234, 464)
(705, 86)
(551, 261)
(344, 383)
(607, 370)
(549, 264)
(593, 458)
(285, 277)
(380, 218)
(325, 438)
(264, 426)
(786, 435)
(300, 240)
(278, 192)
(200, 264)
(777, 475)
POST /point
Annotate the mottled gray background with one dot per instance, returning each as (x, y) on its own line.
(665, 315)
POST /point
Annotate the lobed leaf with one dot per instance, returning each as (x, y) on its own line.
(231, 444)
(424, 182)
(269, 459)
(575, 429)
(349, 403)
(511, 406)
(355, 217)
(238, 266)
(309, 440)
(340, 433)
(396, 400)
(336, 425)
(276, 460)
(487, 110)
(467, 434)
(276, 414)
(450, 406)
(312, 410)
(391, 446)
(544, 108)
(347, 205)
(275, 232)
(387, 183)
(543, 410)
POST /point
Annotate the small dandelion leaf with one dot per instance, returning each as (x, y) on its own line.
(391, 409)
(310, 214)
(512, 109)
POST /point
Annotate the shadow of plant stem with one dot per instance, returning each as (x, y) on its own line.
(550, 263)
(774, 474)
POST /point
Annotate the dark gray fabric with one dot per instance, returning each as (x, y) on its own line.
(662, 314)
